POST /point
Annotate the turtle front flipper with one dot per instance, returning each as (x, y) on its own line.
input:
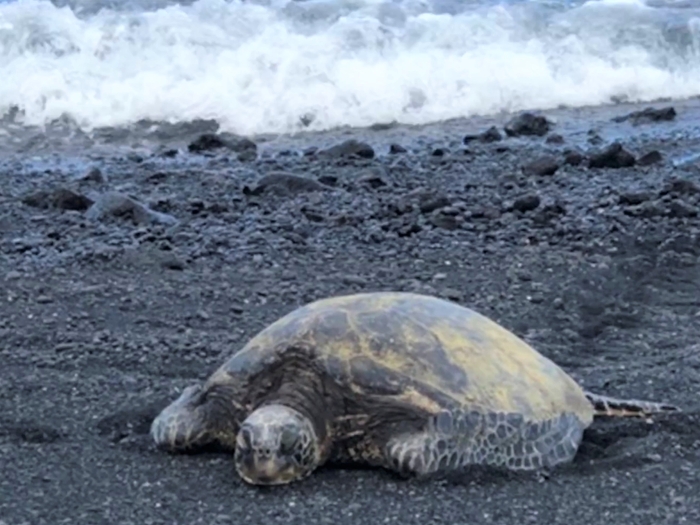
(616, 407)
(186, 424)
(456, 439)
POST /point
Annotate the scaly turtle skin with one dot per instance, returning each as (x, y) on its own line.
(411, 383)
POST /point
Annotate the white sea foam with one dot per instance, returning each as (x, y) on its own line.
(278, 65)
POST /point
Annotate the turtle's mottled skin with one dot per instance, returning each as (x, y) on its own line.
(411, 383)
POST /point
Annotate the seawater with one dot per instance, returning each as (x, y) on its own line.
(279, 66)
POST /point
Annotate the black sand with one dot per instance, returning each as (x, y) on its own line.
(103, 320)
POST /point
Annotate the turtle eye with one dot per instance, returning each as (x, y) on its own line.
(288, 441)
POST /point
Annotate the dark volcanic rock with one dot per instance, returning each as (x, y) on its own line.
(634, 198)
(649, 115)
(545, 165)
(678, 208)
(527, 124)
(60, 198)
(554, 138)
(680, 187)
(648, 209)
(445, 221)
(245, 148)
(490, 135)
(395, 149)
(430, 203)
(93, 175)
(373, 179)
(283, 183)
(573, 157)
(526, 202)
(652, 157)
(349, 148)
(614, 156)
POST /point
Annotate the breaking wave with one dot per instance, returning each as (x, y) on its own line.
(281, 66)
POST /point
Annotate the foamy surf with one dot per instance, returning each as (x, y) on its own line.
(279, 66)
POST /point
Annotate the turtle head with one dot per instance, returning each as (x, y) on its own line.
(276, 445)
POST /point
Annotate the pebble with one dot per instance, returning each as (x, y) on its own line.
(526, 124)
(613, 156)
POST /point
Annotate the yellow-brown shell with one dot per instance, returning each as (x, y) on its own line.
(421, 349)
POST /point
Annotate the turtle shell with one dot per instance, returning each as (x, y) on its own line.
(419, 349)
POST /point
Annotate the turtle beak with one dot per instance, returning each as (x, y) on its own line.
(268, 472)
(265, 471)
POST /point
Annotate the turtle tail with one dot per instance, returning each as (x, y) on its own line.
(616, 407)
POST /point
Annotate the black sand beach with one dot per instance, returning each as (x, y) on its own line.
(110, 306)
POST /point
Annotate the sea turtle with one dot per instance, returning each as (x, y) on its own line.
(412, 383)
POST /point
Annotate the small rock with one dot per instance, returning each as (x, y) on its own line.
(94, 174)
(527, 124)
(134, 157)
(650, 158)
(594, 139)
(395, 149)
(373, 180)
(647, 209)
(632, 198)
(166, 152)
(681, 209)
(44, 299)
(545, 165)
(614, 157)
(549, 213)
(554, 138)
(354, 280)
(170, 261)
(247, 149)
(573, 158)
(680, 187)
(451, 294)
(283, 183)
(312, 214)
(383, 126)
(429, 204)
(446, 222)
(328, 180)
(490, 135)
(236, 308)
(119, 205)
(486, 212)
(349, 148)
(12, 275)
(439, 152)
(649, 115)
(206, 142)
(63, 347)
(60, 198)
(526, 203)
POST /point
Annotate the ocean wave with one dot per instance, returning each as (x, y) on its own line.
(282, 66)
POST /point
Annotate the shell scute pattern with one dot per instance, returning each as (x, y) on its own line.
(393, 342)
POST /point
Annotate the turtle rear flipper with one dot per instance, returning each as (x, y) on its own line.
(459, 439)
(616, 407)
